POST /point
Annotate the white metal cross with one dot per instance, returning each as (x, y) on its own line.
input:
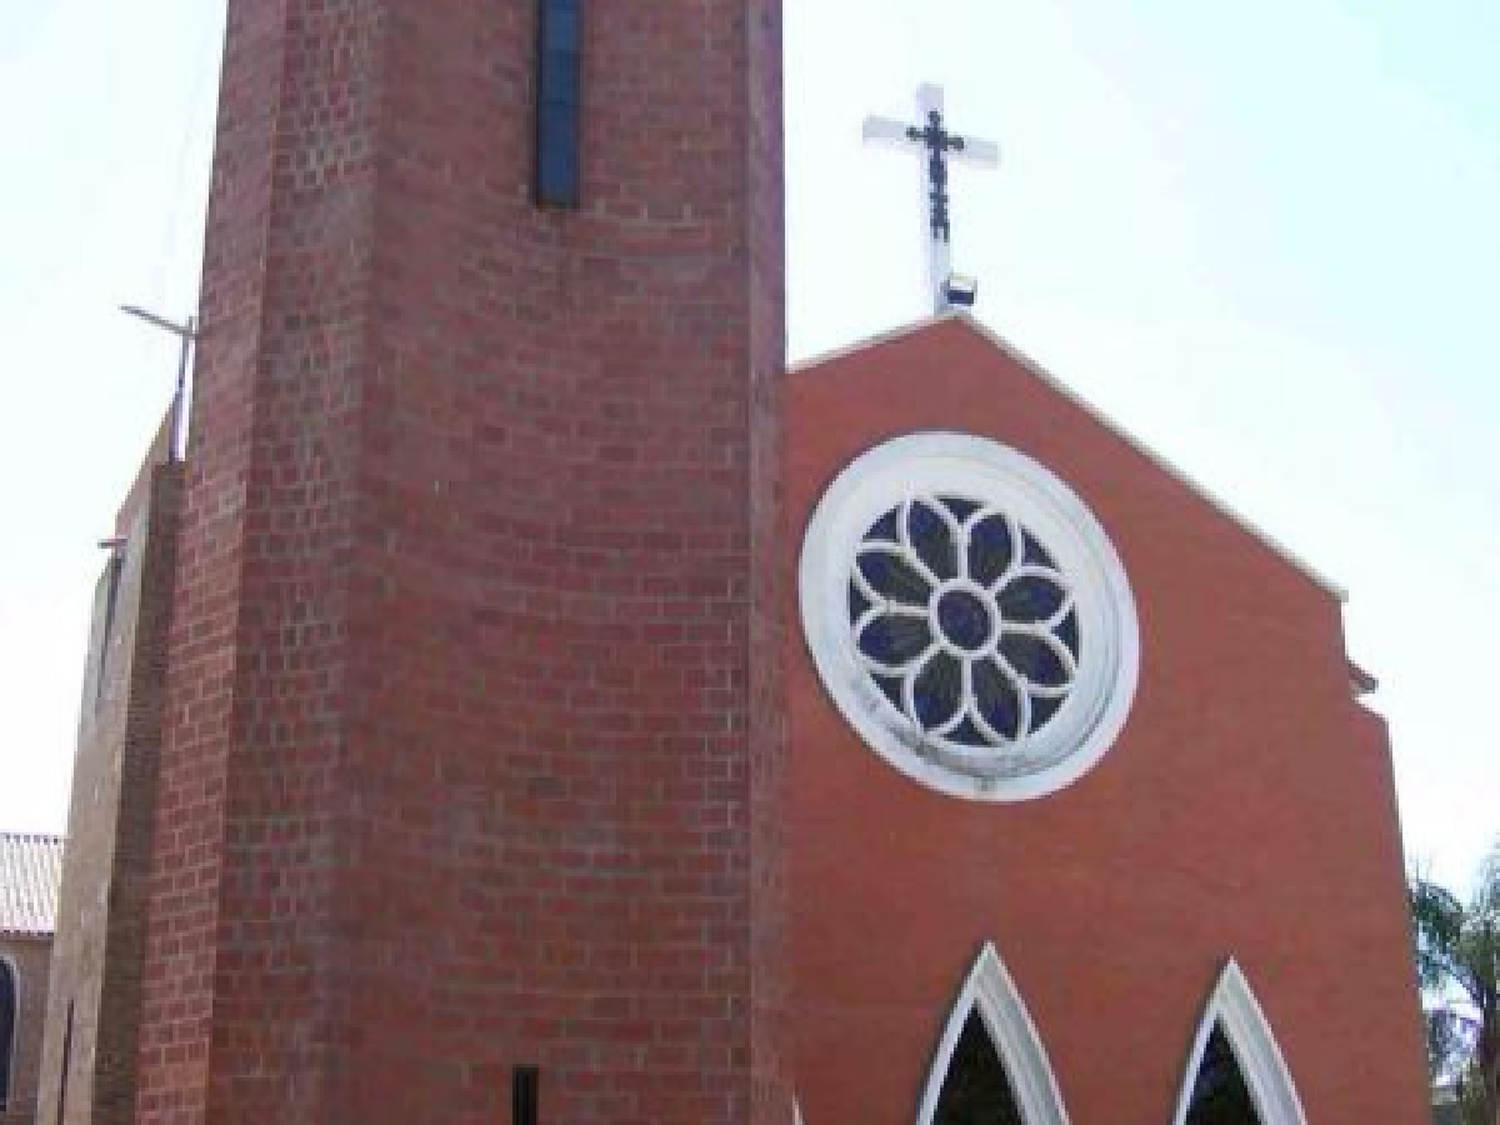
(937, 146)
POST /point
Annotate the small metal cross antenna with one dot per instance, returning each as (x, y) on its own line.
(187, 336)
(938, 146)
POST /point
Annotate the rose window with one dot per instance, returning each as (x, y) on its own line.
(969, 616)
(963, 621)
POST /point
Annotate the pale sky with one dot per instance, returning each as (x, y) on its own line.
(1263, 238)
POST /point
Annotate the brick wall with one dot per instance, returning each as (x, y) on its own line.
(1247, 809)
(27, 958)
(93, 1007)
(466, 765)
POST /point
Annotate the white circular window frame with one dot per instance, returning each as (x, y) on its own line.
(938, 464)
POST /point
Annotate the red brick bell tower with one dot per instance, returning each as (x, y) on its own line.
(466, 767)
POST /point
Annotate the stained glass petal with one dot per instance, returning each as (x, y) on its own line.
(894, 640)
(1040, 658)
(991, 549)
(937, 691)
(889, 575)
(932, 533)
(997, 700)
(1031, 597)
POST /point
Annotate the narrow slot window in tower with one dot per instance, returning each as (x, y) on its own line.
(9, 1017)
(112, 570)
(67, 1063)
(525, 1095)
(558, 82)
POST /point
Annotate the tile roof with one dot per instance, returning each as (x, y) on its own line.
(30, 871)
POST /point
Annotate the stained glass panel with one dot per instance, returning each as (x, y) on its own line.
(1220, 1096)
(976, 1089)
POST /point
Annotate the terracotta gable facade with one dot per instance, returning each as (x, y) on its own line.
(1246, 811)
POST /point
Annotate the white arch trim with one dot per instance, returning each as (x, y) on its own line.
(1234, 1008)
(990, 990)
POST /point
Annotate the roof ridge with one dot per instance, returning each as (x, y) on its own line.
(1060, 387)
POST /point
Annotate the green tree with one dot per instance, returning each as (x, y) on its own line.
(1458, 963)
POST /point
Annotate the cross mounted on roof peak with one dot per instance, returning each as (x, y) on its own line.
(938, 145)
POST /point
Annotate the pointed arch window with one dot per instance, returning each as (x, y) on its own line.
(1236, 1074)
(990, 1067)
(10, 1008)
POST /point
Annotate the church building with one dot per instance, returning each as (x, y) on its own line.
(516, 696)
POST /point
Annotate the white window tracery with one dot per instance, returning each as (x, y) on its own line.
(969, 616)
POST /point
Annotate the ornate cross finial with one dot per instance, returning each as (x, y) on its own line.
(937, 145)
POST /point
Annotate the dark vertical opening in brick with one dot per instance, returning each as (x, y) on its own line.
(525, 1087)
(9, 1008)
(67, 1065)
(112, 572)
(558, 97)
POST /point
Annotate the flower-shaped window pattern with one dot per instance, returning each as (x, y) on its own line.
(964, 622)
